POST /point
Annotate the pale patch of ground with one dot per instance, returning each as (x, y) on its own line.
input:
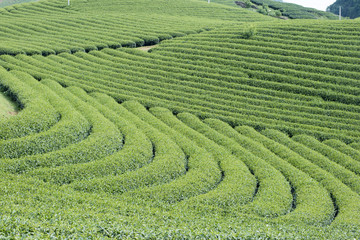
(7, 107)
(146, 48)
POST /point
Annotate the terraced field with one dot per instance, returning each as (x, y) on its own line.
(236, 126)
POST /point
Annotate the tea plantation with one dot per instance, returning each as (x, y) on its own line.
(235, 125)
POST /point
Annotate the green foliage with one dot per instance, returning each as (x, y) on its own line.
(311, 162)
(248, 32)
(37, 114)
(312, 202)
(271, 183)
(264, 81)
(109, 24)
(291, 10)
(248, 3)
(239, 130)
(350, 9)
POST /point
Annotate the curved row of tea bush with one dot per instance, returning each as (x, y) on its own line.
(273, 197)
(200, 155)
(136, 152)
(169, 160)
(238, 184)
(70, 129)
(104, 139)
(37, 113)
(180, 168)
(87, 26)
(345, 198)
(315, 100)
(311, 202)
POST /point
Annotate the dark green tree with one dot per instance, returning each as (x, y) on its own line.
(349, 8)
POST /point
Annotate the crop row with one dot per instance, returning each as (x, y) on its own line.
(37, 115)
(128, 27)
(109, 74)
(273, 196)
(288, 78)
(301, 157)
(311, 202)
(71, 128)
(192, 166)
(56, 36)
(104, 138)
(342, 59)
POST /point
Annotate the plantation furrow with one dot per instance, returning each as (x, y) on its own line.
(279, 50)
(308, 87)
(344, 148)
(238, 184)
(168, 162)
(70, 129)
(230, 89)
(202, 175)
(30, 10)
(311, 46)
(175, 58)
(300, 66)
(97, 27)
(77, 41)
(346, 199)
(312, 203)
(319, 31)
(162, 96)
(344, 175)
(72, 30)
(205, 86)
(240, 102)
(131, 83)
(273, 197)
(330, 153)
(137, 151)
(37, 115)
(350, 28)
(265, 79)
(104, 140)
(227, 36)
(296, 37)
(346, 40)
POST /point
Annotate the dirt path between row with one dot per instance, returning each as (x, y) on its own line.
(7, 106)
(146, 48)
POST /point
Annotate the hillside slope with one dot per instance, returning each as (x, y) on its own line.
(264, 81)
(235, 125)
(49, 27)
(138, 173)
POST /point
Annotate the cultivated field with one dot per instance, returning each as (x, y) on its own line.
(235, 125)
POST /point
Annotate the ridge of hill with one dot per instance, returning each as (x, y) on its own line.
(295, 11)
